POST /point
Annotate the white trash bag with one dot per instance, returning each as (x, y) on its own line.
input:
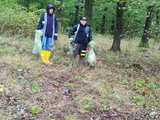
(91, 56)
(37, 42)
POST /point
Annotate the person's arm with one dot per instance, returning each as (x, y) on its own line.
(90, 34)
(41, 22)
(56, 29)
(72, 31)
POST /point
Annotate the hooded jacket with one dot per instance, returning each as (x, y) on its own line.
(48, 23)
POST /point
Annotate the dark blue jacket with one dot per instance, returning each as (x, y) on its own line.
(84, 35)
(49, 28)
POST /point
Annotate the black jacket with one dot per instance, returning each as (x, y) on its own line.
(41, 25)
(84, 35)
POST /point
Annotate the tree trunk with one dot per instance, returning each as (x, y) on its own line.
(112, 27)
(157, 23)
(148, 22)
(118, 29)
(77, 6)
(158, 27)
(103, 25)
(89, 9)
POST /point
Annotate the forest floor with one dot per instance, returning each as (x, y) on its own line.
(123, 86)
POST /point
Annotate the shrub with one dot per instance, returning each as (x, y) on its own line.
(16, 19)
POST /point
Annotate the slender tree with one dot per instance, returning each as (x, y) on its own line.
(103, 23)
(89, 9)
(157, 23)
(77, 7)
(146, 33)
(118, 30)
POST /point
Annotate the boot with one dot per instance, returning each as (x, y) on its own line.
(48, 55)
(45, 56)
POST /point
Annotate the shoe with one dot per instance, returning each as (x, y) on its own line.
(45, 56)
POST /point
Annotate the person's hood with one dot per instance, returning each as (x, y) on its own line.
(50, 6)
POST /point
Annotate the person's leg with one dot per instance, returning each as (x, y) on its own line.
(47, 44)
(44, 42)
(77, 54)
(83, 51)
(42, 54)
(51, 46)
(84, 46)
(45, 54)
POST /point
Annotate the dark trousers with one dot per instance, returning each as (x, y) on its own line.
(78, 49)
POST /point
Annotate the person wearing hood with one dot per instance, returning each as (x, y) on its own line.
(82, 36)
(49, 26)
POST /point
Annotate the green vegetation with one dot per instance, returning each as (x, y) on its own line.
(128, 80)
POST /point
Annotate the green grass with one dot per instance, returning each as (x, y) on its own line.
(86, 103)
(70, 117)
(35, 110)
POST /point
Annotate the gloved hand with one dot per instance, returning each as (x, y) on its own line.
(71, 39)
(55, 37)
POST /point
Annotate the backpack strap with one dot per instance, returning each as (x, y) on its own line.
(77, 31)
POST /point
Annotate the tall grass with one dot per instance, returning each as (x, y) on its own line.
(15, 19)
(129, 49)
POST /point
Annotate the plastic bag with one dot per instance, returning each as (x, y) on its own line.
(37, 42)
(1, 88)
(91, 57)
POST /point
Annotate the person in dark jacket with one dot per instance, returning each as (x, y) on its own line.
(82, 36)
(49, 26)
